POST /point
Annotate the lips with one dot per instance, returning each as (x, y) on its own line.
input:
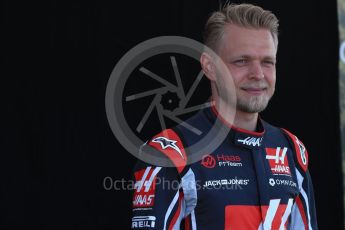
(254, 90)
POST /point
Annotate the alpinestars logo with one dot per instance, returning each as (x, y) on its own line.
(167, 143)
(277, 159)
(251, 141)
(145, 186)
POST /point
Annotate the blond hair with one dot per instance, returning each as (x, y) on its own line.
(244, 15)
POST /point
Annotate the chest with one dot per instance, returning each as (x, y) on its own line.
(237, 176)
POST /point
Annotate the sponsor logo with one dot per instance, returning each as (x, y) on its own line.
(251, 141)
(229, 160)
(274, 182)
(302, 151)
(143, 221)
(278, 162)
(225, 182)
(145, 186)
(167, 143)
(210, 161)
(143, 200)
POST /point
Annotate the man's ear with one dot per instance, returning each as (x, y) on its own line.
(208, 66)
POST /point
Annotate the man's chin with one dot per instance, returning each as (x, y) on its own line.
(253, 105)
(251, 108)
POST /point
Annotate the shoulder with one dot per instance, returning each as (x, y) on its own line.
(300, 150)
(167, 149)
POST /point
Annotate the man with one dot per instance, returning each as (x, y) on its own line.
(257, 176)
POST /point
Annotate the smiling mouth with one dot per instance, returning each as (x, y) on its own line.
(254, 91)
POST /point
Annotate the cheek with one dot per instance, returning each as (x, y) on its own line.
(238, 75)
(225, 76)
(271, 77)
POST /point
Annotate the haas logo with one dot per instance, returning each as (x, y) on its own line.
(208, 161)
(251, 141)
(145, 186)
(277, 159)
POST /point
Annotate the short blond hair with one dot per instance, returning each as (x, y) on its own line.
(244, 15)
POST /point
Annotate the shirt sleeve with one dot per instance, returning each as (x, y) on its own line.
(158, 198)
(303, 214)
(164, 194)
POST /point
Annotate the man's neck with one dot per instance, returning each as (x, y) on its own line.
(247, 121)
(240, 119)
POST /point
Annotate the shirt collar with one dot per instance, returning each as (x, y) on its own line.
(241, 137)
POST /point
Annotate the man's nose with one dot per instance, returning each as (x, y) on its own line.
(256, 71)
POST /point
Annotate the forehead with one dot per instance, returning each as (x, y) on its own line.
(238, 40)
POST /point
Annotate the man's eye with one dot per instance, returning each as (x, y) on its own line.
(269, 62)
(241, 61)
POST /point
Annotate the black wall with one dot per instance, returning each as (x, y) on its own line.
(57, 144)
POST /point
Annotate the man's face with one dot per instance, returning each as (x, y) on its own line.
(250, 56)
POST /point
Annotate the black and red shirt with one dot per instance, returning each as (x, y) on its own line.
(244, 180)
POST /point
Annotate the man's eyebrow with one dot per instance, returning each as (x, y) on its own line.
(270, 57)
(273, 58)
(240, 56)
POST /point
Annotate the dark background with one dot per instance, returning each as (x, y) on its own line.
(57, 145)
